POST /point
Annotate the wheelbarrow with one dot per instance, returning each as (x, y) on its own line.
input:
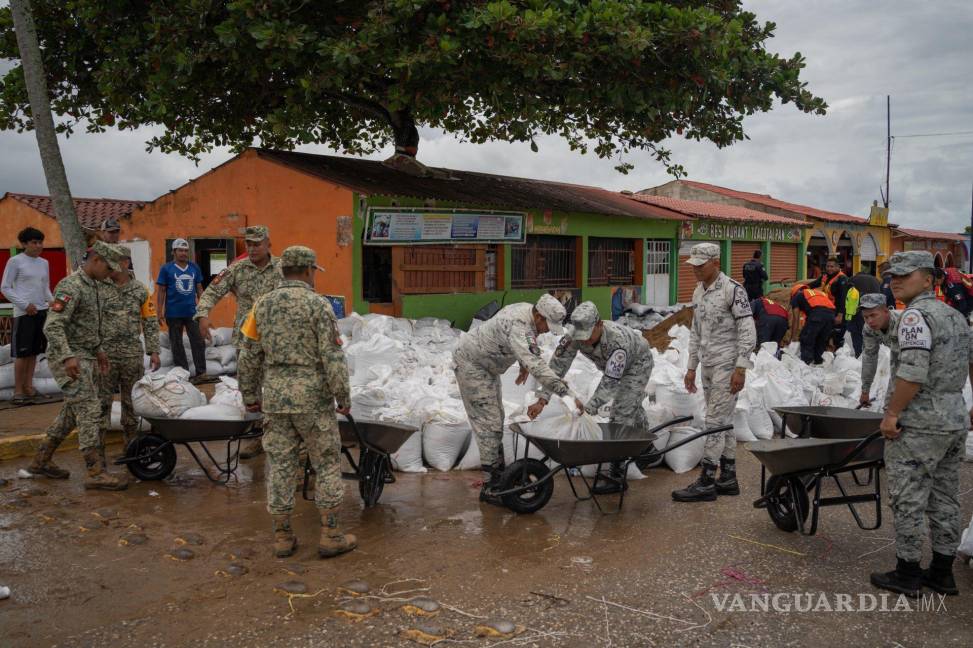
(152, 456)
(376, 442)
(832, 442)
(526, 485)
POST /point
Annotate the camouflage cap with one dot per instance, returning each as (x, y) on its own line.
(904, 263)
(110, 225)
(583, 320)
(553, 311)
(298, 256)
(110, 253)
(256, 233)
(703, 253)
(126, 251)
(873, 300)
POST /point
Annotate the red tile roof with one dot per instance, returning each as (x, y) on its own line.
(937, 236)
(716, 211)
(91, 211)
(467, 187)
(770, 201)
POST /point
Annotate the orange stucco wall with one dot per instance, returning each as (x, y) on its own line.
(15, 216)
(298, 209)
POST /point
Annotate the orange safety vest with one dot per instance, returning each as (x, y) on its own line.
(818, 299)
(940, 295)
(773, 308)
(826, 286)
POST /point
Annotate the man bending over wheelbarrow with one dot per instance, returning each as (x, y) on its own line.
(721, 339)
(293, 369)
(625, 359)
(925, 428)
(484, 355)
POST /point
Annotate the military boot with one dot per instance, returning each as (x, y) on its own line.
(43, 466)
(614, 482)
(333, 542)
(98, 477)
(939, 576)
(285, 543)
(492, 483)
(250, 448)
(727, 484)
(701, 490)
(905, 579)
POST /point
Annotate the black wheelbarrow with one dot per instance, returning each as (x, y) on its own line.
(527, 484)
(800, 466)
(376, 442)
(152, 456)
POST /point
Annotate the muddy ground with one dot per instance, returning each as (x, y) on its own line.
(572, 576)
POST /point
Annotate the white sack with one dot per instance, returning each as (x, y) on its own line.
(687, 457)
(346, 325)
(5, 357)
(966, 541)
(6, 394)
(471, 459)
(444, 443)
(46, 386)
(42, 369)
(228, 393)
(166, 395)
(7, 379)
(221, 354)
(222, 336)
(213, 413)
(409, 457)
(116, 419)
(741, 426)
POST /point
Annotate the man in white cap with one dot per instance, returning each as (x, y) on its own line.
(624, 357)
(484, 355)
(179, 285)
(722, 338)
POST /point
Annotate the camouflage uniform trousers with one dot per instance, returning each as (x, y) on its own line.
(923, 482)
(122, 373)
(282, 439)
(483, 400)
(81, 405)
(627, 406)
(720, 404)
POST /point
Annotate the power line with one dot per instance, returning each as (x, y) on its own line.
(969, 132)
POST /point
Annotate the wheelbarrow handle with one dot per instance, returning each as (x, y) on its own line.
(675, 421)
(690, 439)
(860, 448)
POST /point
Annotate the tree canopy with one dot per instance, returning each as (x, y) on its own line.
(356, 75)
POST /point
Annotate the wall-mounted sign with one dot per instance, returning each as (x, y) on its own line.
(709, 230)
(398, 225)
(546, 224)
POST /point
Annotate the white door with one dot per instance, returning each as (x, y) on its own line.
(141, 254)
(868, 250)
(657, 272)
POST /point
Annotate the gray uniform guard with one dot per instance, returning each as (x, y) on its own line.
(722, 338)
(484, 355)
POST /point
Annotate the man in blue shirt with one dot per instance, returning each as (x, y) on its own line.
(180, 284)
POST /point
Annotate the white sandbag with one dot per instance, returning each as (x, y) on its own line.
(5, 357)
(966, 541)
(164, 339)
(969, 449)
(227, 393)
(367, 402)
(221, 354)
(46, 386)
(686, 457)
(7, 379)
(409, 457)
(222, 336)
(6, 394)
(214, 368)
(166, 395)
(372, 325)
(471, 458)
(165, 358)
(116, 419)
(678, 401)
(346, 325)
(443, 443)
(741, 426)
(656, 415)
(511, 390)
(42, 369)
(378, 349)
(213, 413)
(827, 400)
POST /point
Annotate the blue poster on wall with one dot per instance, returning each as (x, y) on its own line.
(337, 305)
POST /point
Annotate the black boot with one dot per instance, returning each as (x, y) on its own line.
(701, 490)
(905, 579)
(727, 482)
(613, 482)
(492, 483)
(939, 576)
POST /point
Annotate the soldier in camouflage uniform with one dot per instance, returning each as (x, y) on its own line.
(625, 360)
(75, 353)
(925, 428)
(248, 280)
(128, 311)
(293, 369)
(881, 327)
(484, 355)
(722, 338)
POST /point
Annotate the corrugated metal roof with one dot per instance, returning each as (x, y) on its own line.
(717, 211)
(938, 236)
(770, 201)
(92, 212)
(468, 187)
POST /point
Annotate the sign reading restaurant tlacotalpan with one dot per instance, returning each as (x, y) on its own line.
(706, 230)
(407, 225)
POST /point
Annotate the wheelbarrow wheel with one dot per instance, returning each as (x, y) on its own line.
(158, 457)
(521, 473)
(372, 469)
(780, 504)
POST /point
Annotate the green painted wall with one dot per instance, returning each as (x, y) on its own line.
(361, 306)
(459, 308)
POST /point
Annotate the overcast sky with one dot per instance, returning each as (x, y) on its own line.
(857, 52)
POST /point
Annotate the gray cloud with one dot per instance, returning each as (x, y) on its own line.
(857, 52)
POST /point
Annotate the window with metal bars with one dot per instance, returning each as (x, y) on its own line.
(545, 262)
(611, 262)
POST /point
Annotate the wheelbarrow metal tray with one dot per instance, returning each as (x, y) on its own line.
(830, 422)
(384, 435)
(788, 456)
(184, 430)
(618, 444)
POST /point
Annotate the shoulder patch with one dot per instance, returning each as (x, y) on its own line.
(218, 278)
(615, 367)
(563, 345)
(914, 331)
(741, 305)
(532, 344)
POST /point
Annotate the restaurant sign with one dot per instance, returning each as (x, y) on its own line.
(417, 226)
(709, 231)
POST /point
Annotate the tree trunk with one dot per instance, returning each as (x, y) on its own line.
(40, 108)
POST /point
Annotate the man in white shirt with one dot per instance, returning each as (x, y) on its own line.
(26, 284)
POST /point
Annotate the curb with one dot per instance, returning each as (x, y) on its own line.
(25, 445)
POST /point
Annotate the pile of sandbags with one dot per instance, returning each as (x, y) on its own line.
(221, 356)
(166, 395)
(6, 373)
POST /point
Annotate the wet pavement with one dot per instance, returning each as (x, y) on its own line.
(186, 562)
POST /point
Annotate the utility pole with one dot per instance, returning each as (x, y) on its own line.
(969, 252)
(888, 147)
